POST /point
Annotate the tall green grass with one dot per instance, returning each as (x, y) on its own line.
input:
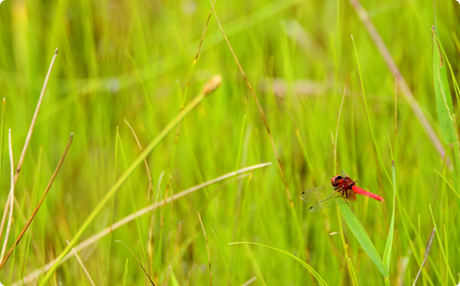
(134, 61)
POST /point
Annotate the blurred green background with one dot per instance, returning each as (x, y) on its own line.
(131, 60)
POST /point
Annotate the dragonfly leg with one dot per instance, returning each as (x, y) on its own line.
(344, 193)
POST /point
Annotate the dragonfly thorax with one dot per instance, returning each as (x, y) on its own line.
(344, 183)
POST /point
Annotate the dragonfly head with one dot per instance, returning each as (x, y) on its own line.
(336, 180)
(344, 182)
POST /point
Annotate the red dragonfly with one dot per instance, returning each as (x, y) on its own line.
(342, 190)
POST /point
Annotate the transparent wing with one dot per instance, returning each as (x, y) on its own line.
(323, 197)
(330, 202)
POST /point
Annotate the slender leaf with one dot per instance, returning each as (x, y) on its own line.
(442, 92)
(361, 235)
(389, 243)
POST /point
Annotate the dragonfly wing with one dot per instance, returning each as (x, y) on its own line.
(330, 202)
(318, 194)
(322, 197)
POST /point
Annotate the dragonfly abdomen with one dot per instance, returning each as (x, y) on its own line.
(360, 191)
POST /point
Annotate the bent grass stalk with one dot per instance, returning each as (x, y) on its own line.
(303, 263)
(82, 266)
(208, 88)
(138, 261)
(109, 230)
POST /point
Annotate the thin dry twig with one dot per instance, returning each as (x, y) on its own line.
(138, 261)
(34, 119)
(149, 188)
(145, 160)
(29, 134)
(2, 135)
(176, 139)
(249, 281)
(396, 105)
(82, 265)
(10, 197)
(301, 87)
(427, 252)
(5, 212)
(143, 257)
(3, 261)
(261, 111)
(89, 241)
(195, 60)
(202, 38)
(364, 16)
(207, 246)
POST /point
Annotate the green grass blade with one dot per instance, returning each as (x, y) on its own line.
(240, 144)
(224, 260)
(448, 184)
(173, 279)
(452, 75)
(443, 252)
(132, 192)
(368, 116)
(2, 127)
(361, 235)
(353, 277)
(209, 87)
(389, 243)
(304, 264)
(255, 265)
(442, 93)
(125, 274)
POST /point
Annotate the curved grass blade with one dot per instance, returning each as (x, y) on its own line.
(442, 92)
(363, 238)
(304, 264)
(389, 243)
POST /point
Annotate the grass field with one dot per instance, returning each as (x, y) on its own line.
(332, 102)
